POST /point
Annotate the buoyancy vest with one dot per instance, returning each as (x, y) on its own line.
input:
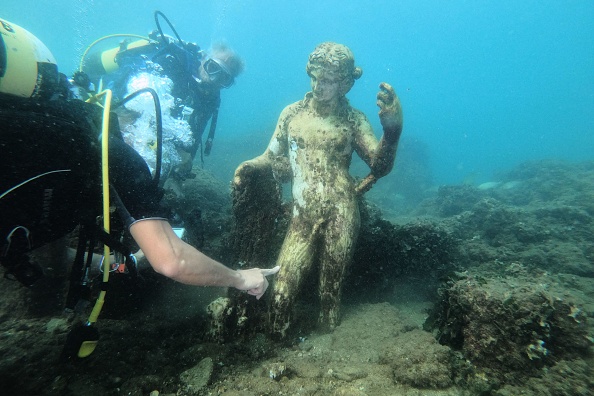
(49, 168)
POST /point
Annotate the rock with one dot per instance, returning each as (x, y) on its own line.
(488, 185)
(511, 327)
(139, 385)
(197, 377)
(219, 312)
(56, 325)
(275, 370)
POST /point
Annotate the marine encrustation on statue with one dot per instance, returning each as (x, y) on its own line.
(312, 148)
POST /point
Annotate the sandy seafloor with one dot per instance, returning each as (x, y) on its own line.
(529, 232)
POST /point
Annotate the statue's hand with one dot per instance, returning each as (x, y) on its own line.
(243, 172)
(390, 112)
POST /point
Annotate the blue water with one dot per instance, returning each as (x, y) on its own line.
(485, 84)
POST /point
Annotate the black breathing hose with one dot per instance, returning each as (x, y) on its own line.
(157, 13)
(159, 126)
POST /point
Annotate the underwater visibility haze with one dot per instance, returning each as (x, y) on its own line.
(484, 84)
(473, 271)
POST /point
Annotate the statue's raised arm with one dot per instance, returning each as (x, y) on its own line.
(381, 159)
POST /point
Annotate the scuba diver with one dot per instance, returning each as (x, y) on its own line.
(56, 176)
(188, 80)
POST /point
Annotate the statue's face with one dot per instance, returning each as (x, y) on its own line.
(325, 85)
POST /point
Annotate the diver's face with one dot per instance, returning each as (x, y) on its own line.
(215, 73)
(324, 85)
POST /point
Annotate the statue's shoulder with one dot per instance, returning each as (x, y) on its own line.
(358, 116)
(292, 109)
(354, 112)
(293, 106)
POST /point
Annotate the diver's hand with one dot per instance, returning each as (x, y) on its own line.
(390, 112)
(254, 280)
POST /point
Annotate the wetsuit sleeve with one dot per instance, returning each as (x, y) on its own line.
(130, 176)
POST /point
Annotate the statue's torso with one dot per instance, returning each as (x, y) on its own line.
(320, 151)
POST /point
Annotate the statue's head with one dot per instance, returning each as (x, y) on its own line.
(337, 59)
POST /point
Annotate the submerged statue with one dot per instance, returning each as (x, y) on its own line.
(312, 148)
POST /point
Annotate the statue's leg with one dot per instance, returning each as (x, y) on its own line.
(337, 252)
(295, 260)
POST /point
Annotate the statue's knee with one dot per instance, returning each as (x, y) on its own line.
(280, 300)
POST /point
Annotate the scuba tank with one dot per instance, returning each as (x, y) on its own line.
(98, 64)
(172, 53)
(27, 67)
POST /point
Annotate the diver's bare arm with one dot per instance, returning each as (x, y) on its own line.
(382, 160)
(172, 257)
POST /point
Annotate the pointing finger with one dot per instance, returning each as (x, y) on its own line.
(270, 271)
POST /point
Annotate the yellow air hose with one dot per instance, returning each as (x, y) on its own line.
(87, 347)
(103, 99)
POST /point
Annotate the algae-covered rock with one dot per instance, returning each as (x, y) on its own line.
(197, 377)
(510, 328)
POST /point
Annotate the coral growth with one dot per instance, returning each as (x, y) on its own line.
(512, 327)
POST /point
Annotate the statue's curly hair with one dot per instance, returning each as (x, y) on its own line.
(337, 58)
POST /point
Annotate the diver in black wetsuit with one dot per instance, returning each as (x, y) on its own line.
(50, 174)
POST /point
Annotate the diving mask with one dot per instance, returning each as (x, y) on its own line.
(218, 73)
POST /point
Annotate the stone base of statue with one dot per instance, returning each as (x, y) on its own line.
(259, 228)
